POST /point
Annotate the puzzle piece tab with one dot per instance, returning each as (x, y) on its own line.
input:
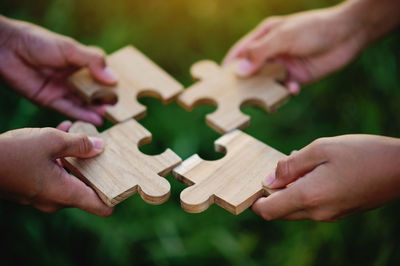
(122, 169)
(233, 182)
(137, 75)
(220, 86)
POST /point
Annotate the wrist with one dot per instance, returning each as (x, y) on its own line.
(372, 19)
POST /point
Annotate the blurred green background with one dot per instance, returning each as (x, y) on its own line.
(362, 98)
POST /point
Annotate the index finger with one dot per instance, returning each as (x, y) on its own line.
(279, 204)
(239, 49)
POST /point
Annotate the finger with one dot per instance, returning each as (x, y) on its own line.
(293, 87)
(298, 68)
(73, 145)
(296, 216)
(279, 204)
(259, 52)
(47, 207)
(100, 109)
(76, 111)
(239, 49)
(94, 58)
(78, 194)
(64, 126)
(295, 165)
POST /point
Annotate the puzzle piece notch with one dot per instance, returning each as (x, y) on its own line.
(233, 182)
(122, 170)
(220, 86)
(138, 77)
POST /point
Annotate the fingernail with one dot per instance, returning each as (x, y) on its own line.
(269, 180)
(98, 143)
(243, 68)
(294, 88)
(109, 75)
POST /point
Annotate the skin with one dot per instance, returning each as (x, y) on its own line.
(330, 178)
(333, 178)
(32, 173)
(314, 44)
(36, 63)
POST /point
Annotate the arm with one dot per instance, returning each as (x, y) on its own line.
(333, 178)
(37, 62)
(315, 43)
(32, 174)
(377, 18)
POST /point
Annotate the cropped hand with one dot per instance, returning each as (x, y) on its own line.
(37, 63)
(32, 174)
(333, 178)
(311, 45)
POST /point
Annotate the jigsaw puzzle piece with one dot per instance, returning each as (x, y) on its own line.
(122, 169)
(221, 87)
(137, 75)
(233, 182)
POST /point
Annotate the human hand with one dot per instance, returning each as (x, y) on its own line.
(37, 63)
(310, 44)
(31, 172)
(333, 178)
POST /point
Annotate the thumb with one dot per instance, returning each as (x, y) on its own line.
(76, 145)
(92, 57)
(258, 53)
(295, 166)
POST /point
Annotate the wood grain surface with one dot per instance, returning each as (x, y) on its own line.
(220, 86)
(137, 76)
(233, 182)
(122, 169)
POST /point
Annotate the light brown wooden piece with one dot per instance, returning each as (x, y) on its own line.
(233, 182)
(137, 75)
(122, 170)
(220, 86)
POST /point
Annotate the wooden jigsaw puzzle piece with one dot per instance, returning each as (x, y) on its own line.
(233, 182)
(122, 169)
(137, 75)
(221, 87)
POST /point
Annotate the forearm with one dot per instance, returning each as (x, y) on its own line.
(375, 18)
(6, 30)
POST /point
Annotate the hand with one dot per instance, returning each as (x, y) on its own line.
(37, 62)
(31, 172)
(310, 44)
(333, 178)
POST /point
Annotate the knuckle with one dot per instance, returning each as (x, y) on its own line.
(84, 144)
(253, 52)
(320, 146)
(283, 170)
(97, 54)
(97, 51)
(320, 142)
(270, 21)
(68, 45)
